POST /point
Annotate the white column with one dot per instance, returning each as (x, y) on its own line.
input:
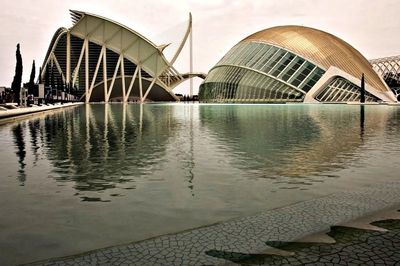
(68, 81)
(87, 71)
(140, 84)
(123, 78)
(191, 63)
(105, 74)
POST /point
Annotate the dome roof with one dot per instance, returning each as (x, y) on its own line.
(322, 48)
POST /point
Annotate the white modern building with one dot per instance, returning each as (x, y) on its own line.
(293, 64)
(101, 60)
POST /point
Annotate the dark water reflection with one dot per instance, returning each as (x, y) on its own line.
(136, 171)
(100, 147)
(21, 153)
(294, 145)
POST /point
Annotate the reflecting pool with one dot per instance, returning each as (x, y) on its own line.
(100, 175)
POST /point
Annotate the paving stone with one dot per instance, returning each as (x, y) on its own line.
(241, 239)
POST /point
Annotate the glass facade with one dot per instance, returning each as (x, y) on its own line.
(259, 72)
(235, 84)
(342, 90)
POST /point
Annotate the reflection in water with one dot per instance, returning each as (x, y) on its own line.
(293, 145)
(188, 163)
(362, 121)
(33, 131)
(101, 147)
(113, 145)
(137, 171)
(21, 153)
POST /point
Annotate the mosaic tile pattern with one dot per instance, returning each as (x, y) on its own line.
(247, 235)
(352, 247)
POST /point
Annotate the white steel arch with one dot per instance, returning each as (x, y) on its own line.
(388, 69)
(109, 37)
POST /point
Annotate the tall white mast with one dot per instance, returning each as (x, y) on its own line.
(191, 60)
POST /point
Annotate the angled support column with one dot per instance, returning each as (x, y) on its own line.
(58, 66)
(113, 80)
(131, 84)
(45, 66)
(78, 66)
(148, 90)
(152, 83)
(87, 98)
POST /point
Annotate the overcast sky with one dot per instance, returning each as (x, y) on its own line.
(372, 27)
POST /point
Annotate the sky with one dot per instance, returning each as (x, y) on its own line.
(372, 27)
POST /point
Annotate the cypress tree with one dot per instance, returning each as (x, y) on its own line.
(33, 73)
(16, 84)
(40, 75)
(32, 78)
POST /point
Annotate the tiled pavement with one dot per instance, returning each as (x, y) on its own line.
(234, 240)
(352, 247)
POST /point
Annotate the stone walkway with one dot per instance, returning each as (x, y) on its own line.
(11, 114)
(233, 241)
(352, 247)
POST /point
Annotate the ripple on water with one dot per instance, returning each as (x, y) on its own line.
(132, 172)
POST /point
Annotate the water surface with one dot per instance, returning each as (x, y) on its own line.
(101, 175)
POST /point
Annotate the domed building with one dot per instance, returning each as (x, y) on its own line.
(292, 64)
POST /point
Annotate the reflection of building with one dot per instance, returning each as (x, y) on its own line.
(97, 145)
(102, 60)
(285, 142)
(292, 64)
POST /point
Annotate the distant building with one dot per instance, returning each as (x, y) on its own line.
(389, 69)
(292, 64)
(5, 94)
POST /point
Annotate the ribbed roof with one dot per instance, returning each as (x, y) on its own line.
(321, 48)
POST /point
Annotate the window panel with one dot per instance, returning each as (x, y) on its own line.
(264, 49)
(251, 51)
(263, 60)
(273, 61)
(290, 72)
(282, 64)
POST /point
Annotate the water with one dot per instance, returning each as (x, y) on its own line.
(101, 175)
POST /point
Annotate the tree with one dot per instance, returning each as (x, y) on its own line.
(40, 75)
(16, 84)
(32, 79)
(33, 73)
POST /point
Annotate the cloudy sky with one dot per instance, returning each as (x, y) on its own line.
(372, 27)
